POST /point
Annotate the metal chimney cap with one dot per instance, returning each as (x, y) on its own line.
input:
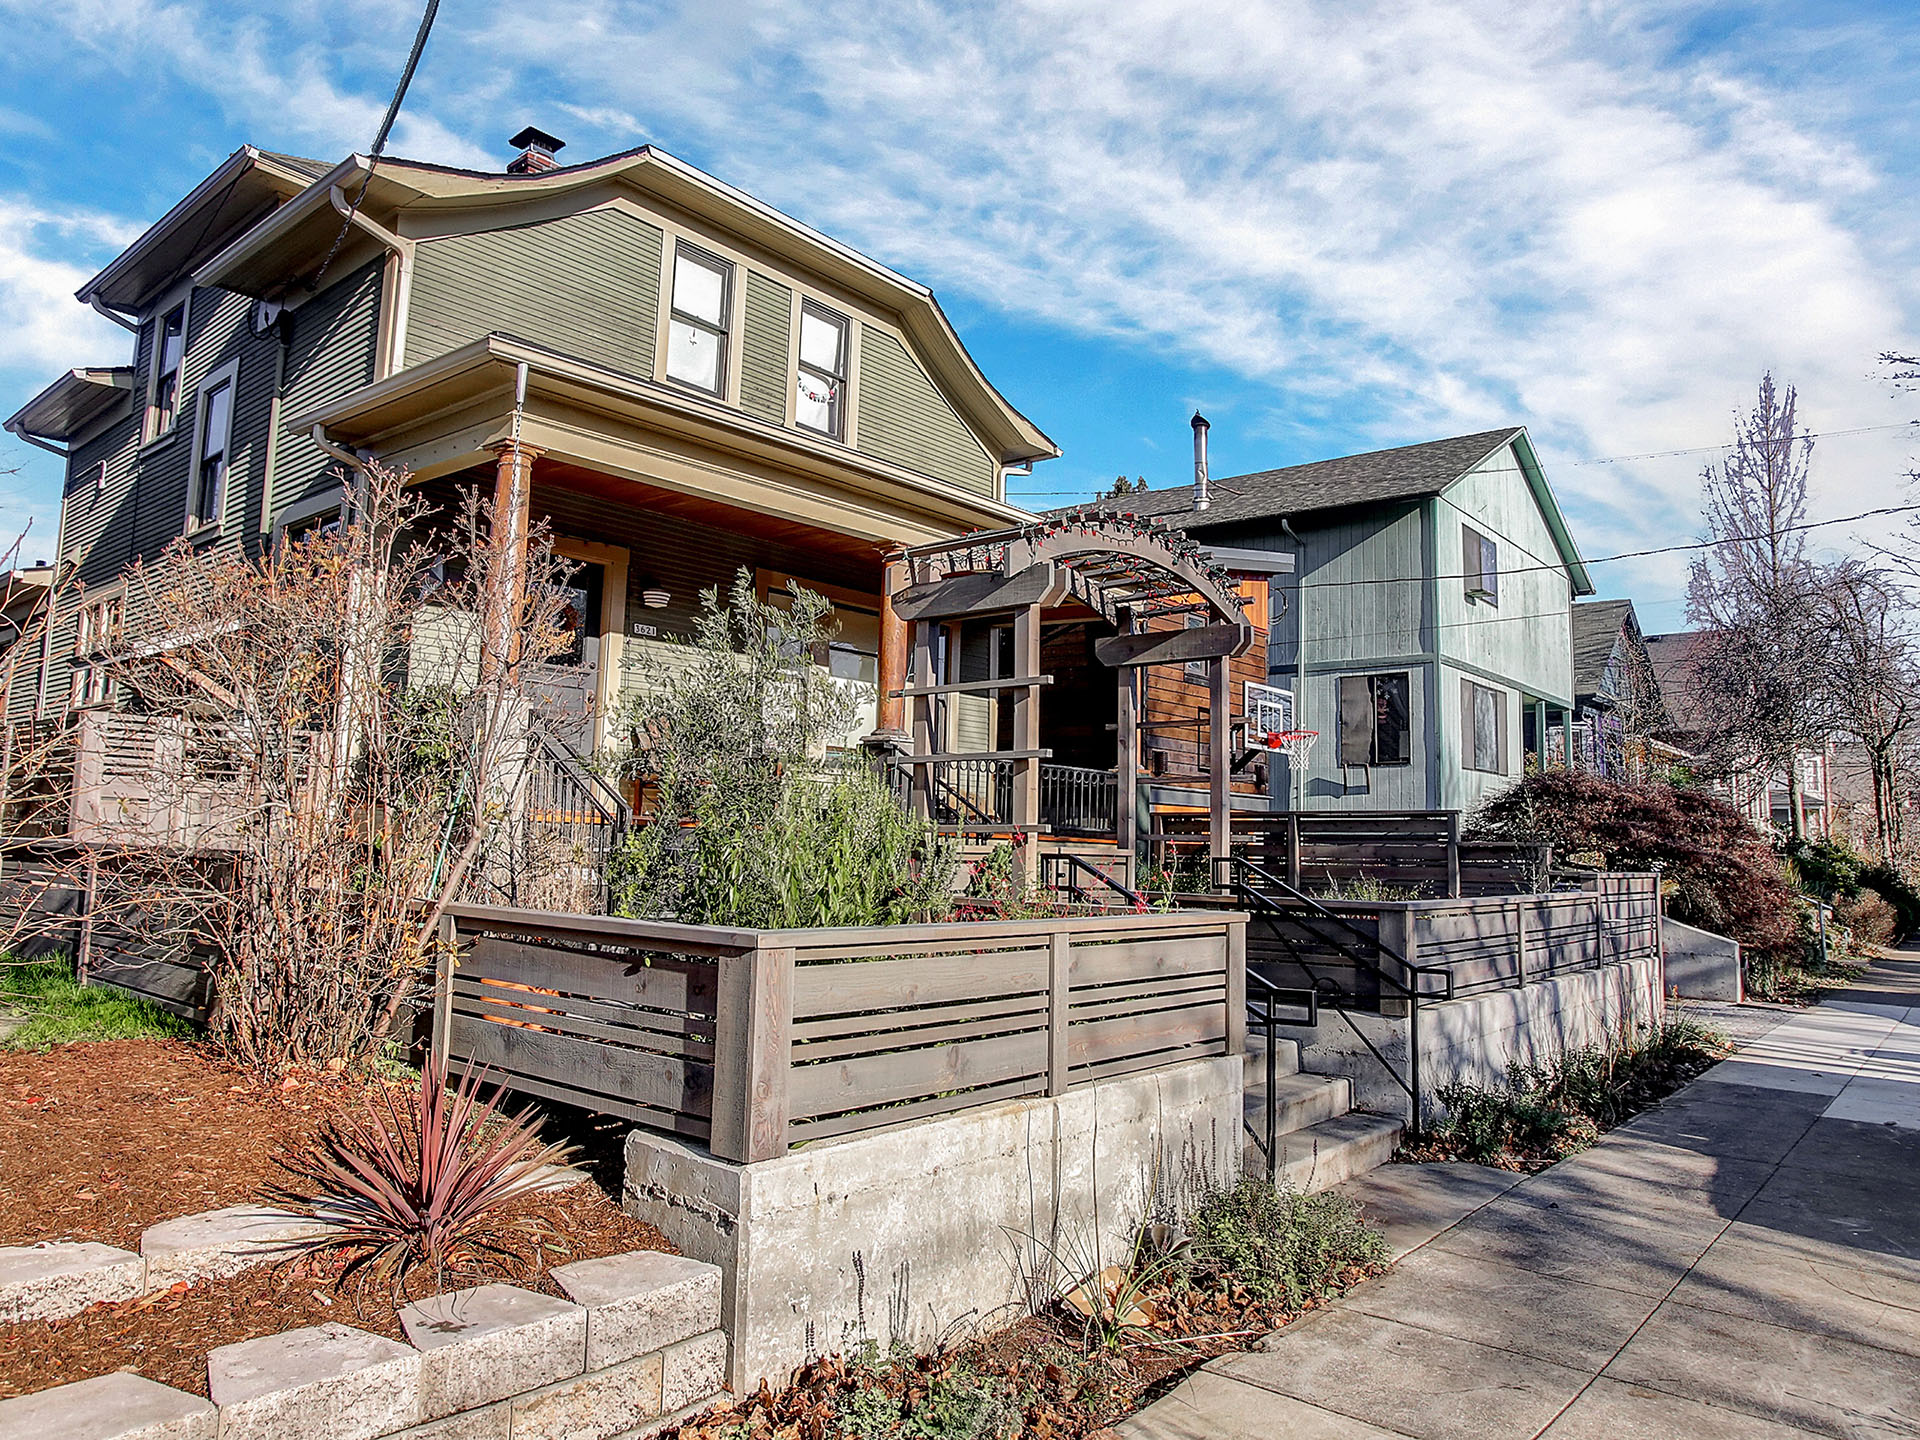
(534, 138)
(1200, 421)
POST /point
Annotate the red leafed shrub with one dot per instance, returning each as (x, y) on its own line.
(1723, 874)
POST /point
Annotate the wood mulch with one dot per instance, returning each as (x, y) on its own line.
(99, 1141)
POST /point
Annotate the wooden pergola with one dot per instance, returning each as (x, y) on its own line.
(1127, 571)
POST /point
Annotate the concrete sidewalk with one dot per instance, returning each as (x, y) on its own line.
(1743, 1260)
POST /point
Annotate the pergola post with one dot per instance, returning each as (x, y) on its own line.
(1219, 777)
(1126, 768)
(1026, 739)
(920, 782)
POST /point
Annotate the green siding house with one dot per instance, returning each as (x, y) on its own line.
(1424, 632)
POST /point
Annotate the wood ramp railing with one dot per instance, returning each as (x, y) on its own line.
(754, 1041)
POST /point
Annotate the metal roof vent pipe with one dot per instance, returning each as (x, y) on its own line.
(1202, 493)
(536, 149)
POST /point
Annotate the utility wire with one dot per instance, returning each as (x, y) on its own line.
(1560, 464)
(380, 140)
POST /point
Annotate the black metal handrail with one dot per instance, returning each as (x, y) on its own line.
(1262, 996)
(1326, 991)
(1072, 863)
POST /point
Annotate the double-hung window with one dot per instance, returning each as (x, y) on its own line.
(1483, 728)
(169, 348)
(212, 448)
(1376, 719)
(1480, 564)
(697, 320)
(820, 388)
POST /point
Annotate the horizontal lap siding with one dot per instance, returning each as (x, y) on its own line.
(905, 419)
(764, 374)
(331, 354)
(587, 285)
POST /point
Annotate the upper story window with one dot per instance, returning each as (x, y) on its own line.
(1480, 563)
(99, 626)
(212, 447)
(820, 388)
(1483, 724)
(169, 348)
(1376, 720)
(697, 320)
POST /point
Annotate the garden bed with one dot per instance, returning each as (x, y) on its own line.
(101, 1141)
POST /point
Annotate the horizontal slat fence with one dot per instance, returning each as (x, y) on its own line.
(754, 1041)
(1418, 850)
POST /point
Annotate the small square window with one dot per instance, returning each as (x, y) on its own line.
(1376, 719)
(1480, 564)
(820, 387)
(697, 320)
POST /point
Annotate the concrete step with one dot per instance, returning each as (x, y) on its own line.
(1331, 1151)
(1286, 1055)
(1300, 1101)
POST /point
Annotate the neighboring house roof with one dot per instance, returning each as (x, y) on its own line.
(1407, 472)
(71, 403)
(1677, 671)
(266, 258)
(1596, 628)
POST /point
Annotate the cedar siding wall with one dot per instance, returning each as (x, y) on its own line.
(589, 285)
(586, 285)
(142, 507)
(905, 419)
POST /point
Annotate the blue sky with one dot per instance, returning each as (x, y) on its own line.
(1332, 226)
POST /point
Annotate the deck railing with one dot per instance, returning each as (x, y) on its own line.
(753, 1041)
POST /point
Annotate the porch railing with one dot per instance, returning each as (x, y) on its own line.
(1076, 800)
(753, 1041)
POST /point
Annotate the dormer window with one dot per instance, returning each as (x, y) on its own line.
(697, 321)
(820, 389)
(169, 348)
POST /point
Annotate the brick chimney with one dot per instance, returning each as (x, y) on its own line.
(536, 149)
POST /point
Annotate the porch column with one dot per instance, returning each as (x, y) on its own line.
(1026, 737)
(1566, 734)
(890, 718)
(512, 497)
(1540, 730)
(923, 742)
(1219, 778)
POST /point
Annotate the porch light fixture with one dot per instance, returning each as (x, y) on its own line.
(654, 595)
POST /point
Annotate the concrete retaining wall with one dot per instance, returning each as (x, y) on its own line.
(1700, 964)
(1475, 1039)
(900, 1235)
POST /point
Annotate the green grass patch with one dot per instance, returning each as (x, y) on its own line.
(59, 1010)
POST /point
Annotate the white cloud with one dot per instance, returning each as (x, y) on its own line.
(45, 329)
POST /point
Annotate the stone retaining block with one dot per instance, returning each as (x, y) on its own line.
(218, 1243)
(595, 1406)
(641, 1302)
(693, 1370)
(490, 1342)
(60, 1278)
(109, 1407)
(324, 1382)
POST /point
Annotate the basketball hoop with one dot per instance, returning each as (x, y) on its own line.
(1294, 744)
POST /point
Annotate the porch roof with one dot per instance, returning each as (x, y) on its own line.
(447, 414)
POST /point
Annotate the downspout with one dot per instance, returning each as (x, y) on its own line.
(403, 249)
(20, 432)
(346, 457)
(114, 315)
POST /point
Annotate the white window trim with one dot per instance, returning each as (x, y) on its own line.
(227, 374)
(181, 300)
(731, 299)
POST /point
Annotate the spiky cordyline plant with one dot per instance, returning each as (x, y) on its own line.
(408, 1181)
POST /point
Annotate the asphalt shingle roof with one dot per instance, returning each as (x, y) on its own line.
(1596, 626)
(1408, 472)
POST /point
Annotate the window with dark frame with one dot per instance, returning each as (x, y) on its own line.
(1480, 564)
(1376, 719)
(1483, 728)
(697, 320)
(216, 442)
(820, 387)
(169, 348)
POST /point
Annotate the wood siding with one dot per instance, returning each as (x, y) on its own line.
(764, 372)
(905, 419)
(586, 285)
(329, 355)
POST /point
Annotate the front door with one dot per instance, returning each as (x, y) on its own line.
(566, 688)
